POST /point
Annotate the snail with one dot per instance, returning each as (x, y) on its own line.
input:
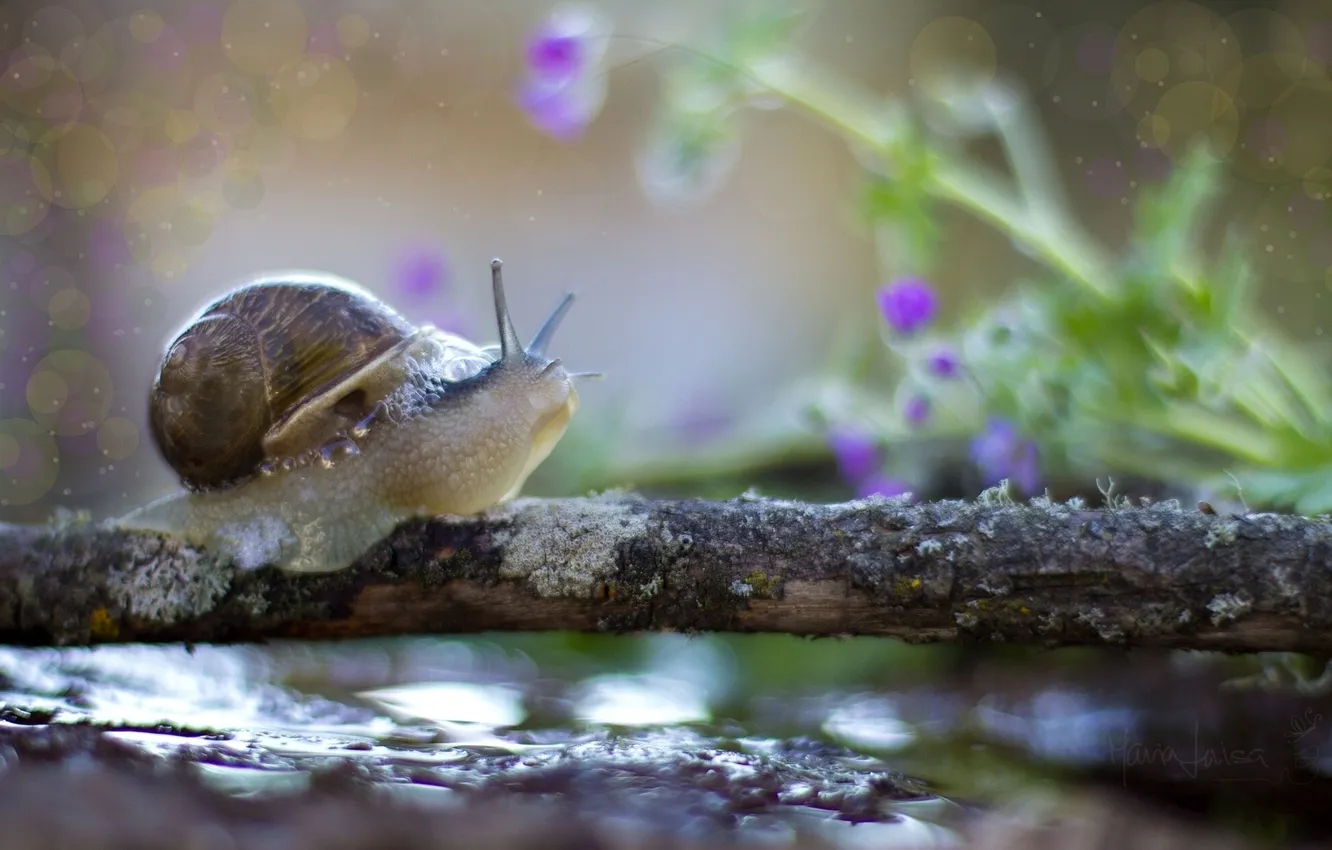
(306, 418)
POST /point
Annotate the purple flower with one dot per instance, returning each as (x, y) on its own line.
(564, 88)
(943, 364)
(856, 453)
(881, 485)
(561, 112)
(999, 452)
(555, 57)
(907, 304)
(917, 410)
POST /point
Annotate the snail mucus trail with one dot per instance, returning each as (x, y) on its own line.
(439, 427)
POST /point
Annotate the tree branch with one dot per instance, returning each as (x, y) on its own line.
(992, 571)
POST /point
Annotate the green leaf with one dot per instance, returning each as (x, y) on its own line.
(1167, 219)
(1231, 284)
(1308, 491)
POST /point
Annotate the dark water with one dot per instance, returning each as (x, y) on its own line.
(766, 736)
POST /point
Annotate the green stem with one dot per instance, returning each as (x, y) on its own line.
(1062, 246)
(868, 120)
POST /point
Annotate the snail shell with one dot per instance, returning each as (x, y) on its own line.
(278, 369)
(306, 418)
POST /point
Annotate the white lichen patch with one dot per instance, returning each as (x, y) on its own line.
(903, 499)
(792, 511)
(1150, 522)
(1227, 607)
(1096, 619)
(945, 547)
(1058, 510)
(1221, 535)
(570, 548)
(947, 512)
(996, 585)
(168, 582)
(996, 496)
(929, 547)
(966, 620)
(651, 589)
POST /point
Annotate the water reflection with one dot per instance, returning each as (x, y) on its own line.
(869, 722)
(467, 714)
(203, 688)
(1059, 724)
(492, 706)
(664, 718)
(647, 700)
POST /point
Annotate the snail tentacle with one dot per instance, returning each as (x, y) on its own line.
(537, 347)
(511, 347)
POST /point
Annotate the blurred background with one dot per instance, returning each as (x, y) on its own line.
(154, 154)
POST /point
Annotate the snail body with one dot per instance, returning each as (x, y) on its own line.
(306, 419)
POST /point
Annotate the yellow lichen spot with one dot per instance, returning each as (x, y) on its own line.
(760, 584)
(101, 625)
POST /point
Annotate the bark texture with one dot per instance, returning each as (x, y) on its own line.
(991, 571)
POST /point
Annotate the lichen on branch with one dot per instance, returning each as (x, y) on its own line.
(993, 570)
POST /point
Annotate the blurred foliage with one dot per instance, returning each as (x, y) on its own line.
(1155, 363)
